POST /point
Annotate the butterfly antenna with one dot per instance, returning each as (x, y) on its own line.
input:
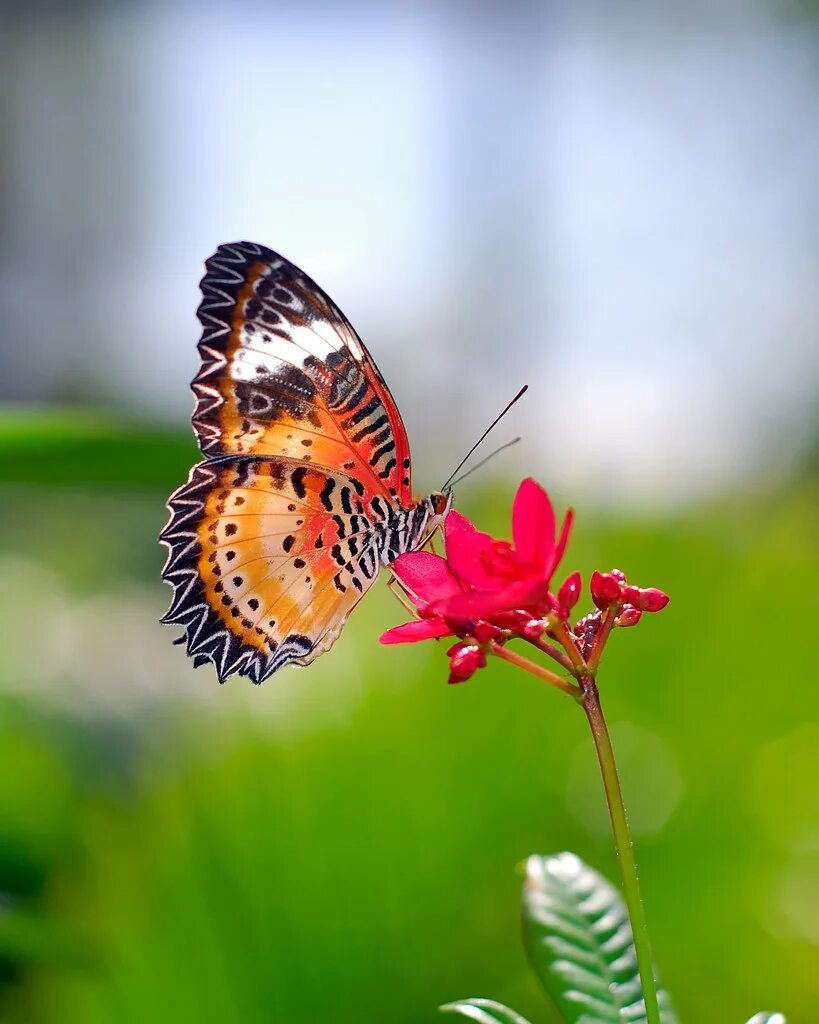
(484, 461)
(491, 427)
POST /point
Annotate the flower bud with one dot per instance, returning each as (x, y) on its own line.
(533, 629)
(619, 575)
(652, 600)
(513, 621)
(605, 589)
(631, 595)
(569, 594)
(629, 616)
(464, 661)
(486, 632)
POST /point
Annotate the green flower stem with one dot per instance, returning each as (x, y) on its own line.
(622, 844)
(537, 670)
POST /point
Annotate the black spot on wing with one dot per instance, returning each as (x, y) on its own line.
(297, 480)
(326, 492)
(389, 466)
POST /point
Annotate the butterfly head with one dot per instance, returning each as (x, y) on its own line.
(438, 505)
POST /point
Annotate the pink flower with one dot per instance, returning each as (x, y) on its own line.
(483, 579)
(503, 577)
(487, 591)
(486, 588)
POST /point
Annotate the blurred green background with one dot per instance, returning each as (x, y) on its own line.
(341, 844)
(614, 202)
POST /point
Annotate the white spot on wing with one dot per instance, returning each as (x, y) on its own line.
(318, 340)
(246, 364)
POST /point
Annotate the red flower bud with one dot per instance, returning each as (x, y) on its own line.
(533, 629)
(647, 600)
(629, 616)
(652, 600)
(619, 575)
(605, 589)
(513, 621)
(569, 594)
(464, 661)
(485, 632)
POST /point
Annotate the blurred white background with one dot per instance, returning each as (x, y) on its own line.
(613, 202)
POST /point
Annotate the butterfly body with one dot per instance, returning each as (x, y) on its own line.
(305, 488)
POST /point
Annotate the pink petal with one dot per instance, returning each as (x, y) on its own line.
(533, 526)
(560, 547)
(456, 523)
(418, 629)
(528, 594)
(426, 576)
(468, 551)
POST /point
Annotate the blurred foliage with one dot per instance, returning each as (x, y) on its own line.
(341, 843)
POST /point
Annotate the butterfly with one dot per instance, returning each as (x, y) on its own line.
(304, 490)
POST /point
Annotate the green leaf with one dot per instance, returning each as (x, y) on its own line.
(767, 1018)
(579, 942)
(484, 1011)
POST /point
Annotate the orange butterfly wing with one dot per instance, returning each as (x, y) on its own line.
(284, 373)
(305, 487)
(265, 562)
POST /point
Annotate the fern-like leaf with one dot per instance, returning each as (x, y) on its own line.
(579, 942)
(484, 1011)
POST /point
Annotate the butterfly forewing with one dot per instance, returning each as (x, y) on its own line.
(284, 373)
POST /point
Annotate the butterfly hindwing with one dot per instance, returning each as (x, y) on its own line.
(267, 558)
(284, 374)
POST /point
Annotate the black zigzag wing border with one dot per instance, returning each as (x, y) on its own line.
(206, 637)
(226, 273)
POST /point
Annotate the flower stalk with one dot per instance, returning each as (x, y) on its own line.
(622, 845)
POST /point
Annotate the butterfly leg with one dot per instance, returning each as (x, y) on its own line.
(394, 585)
